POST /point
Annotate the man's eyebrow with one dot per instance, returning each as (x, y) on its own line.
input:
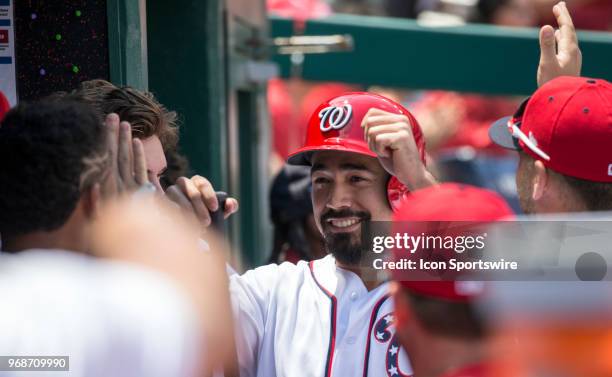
(317, 167)
(353, 166)
(345, 166)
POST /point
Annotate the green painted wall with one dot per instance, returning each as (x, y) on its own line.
(199, 60)
(400, 53)
(187, 74)
(127, 42)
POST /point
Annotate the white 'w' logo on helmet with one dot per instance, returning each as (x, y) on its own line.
(335, 117)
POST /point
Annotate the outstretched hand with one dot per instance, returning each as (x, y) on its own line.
(128, 171)
(559, 51)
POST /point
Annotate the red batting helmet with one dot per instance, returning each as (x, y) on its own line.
(430, 208)
(336, 126)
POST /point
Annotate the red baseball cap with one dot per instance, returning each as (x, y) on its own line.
(449, 202)
(566, 124)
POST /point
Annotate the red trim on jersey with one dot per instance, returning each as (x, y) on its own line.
(332, 332)
(373, 317)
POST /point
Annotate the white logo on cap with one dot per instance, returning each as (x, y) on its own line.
(335, 117)
(610, 170)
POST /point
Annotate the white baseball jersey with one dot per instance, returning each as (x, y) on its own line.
(314, 319)
(111, 318)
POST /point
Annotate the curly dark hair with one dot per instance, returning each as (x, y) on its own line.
(50, 152)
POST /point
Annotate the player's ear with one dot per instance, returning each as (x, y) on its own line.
(540, 180)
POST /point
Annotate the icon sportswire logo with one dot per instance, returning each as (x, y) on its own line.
(335, 117)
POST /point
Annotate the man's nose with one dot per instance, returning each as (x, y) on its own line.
(340, 197)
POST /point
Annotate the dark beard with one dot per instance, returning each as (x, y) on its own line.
(345, 250)
(345, 247)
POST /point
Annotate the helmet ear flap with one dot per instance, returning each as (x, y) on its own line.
(396, 192)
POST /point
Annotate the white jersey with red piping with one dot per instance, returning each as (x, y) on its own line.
(314, 319)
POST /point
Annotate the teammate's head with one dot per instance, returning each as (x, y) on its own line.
(442, 311)
(563, 136)
(151, 122)
(53, 156)
(349, 185)
(543, 190)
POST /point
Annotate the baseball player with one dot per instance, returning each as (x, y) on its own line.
(562, 132)
(57, 298)
(563, 137)
(155, 125)
(438, 317)
(323, 318)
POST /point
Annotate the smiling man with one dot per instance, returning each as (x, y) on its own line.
(327, 317)
(347, 192)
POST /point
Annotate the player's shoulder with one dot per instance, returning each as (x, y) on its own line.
(286, 272)
(73, 279)
(113, 306)
(291, 269)
(274, 271)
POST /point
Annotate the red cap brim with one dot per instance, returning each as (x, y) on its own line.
(303, 155)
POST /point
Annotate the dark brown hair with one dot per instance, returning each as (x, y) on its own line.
(146, 115)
